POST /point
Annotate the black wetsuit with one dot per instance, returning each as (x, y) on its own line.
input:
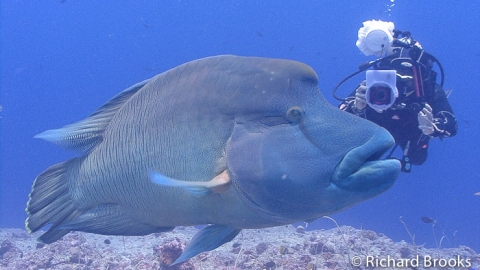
(401, 119)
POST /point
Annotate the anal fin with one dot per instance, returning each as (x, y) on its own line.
(109, 219)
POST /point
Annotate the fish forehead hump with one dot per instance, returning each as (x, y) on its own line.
(231, 83)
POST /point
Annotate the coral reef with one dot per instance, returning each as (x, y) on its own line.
(283, 247)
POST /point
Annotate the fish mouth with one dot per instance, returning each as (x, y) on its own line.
(362, 169)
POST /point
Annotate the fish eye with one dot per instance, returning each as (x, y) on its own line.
(294, 114)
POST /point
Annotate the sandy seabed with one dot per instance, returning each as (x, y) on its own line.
(284, 247)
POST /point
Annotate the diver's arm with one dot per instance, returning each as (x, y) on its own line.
(444, 119)
(355, 103)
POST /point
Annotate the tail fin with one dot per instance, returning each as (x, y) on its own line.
(50, 202)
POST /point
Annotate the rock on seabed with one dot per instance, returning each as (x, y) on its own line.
(284, 247)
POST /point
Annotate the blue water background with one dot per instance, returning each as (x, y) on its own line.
(60, 60)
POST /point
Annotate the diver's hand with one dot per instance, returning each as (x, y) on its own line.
(425, 120)
(360, 101)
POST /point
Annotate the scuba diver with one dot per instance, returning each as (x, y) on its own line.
(400, 93)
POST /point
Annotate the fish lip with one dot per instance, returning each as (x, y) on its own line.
(365, 156)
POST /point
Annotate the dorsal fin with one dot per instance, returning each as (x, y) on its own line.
(84, 135)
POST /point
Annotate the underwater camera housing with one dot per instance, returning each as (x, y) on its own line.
(381, 89)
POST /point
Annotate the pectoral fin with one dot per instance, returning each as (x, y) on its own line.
(217, 185)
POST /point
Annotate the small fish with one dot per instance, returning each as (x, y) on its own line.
(428, 220)
(145, 23)
(259, 34)
(477, 194)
